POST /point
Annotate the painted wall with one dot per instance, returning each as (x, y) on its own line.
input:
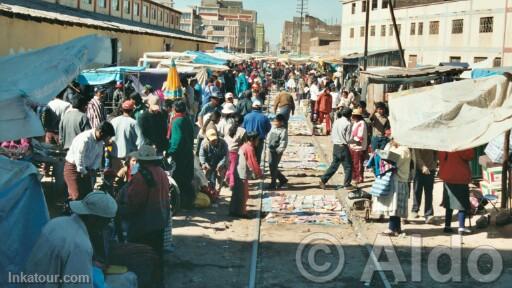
(23, 35)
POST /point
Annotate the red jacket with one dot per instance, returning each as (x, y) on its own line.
(454, 166)
(324, 103)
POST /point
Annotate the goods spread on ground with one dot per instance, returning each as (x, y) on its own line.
(302, 156)
(297, 126)
(302, 209)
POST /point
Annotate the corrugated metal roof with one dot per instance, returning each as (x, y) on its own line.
(399, 72)
(53, 13)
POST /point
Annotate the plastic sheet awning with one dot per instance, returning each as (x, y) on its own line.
(106, 75)
(38, 76)
(203, 58)
(480, 73)
(452, 116)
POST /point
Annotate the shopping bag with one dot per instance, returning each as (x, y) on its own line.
(382, 185)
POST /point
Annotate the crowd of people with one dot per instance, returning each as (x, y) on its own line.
(223, 125)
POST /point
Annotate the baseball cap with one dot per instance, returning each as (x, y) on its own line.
(96, 203)
(211, 135)
(256, 104)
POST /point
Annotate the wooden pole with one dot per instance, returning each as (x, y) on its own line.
(504, 173)
(366, 35)
(397, 33)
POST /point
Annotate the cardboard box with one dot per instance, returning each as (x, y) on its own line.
(492, 175)
(492, 189)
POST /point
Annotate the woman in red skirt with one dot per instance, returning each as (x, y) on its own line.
(358, 146)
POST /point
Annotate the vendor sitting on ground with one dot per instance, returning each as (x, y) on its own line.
(64, 246)
(213, 157)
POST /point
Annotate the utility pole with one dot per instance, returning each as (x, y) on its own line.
(302, 8)
(367, 3)
(245, 41)
(397, 33)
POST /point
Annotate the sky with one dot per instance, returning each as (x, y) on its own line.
(273, 13)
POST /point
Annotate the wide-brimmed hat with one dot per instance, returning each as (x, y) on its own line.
(153, 103)
(146, 153)
(96, 203)
(211, 135)
(357, 112)
(229, 95)
(229, 109)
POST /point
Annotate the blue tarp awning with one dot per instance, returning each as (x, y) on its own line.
(480, 73)
(106, 75)
(202, 58)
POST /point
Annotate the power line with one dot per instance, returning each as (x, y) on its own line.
(302, 9)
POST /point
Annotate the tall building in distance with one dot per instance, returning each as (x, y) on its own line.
(225, 22)
(260, 38)
(433, 31)
(293, 41)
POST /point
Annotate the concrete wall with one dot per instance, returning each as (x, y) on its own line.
(23, 35)
(433, 49)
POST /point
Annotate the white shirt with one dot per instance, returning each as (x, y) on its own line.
(336, 98)
(314, 91)
(59, 107)
(63, 248)
(85, 152)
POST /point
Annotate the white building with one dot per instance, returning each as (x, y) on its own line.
(433, 31)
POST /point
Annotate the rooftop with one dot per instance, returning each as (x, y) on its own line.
(59, 14)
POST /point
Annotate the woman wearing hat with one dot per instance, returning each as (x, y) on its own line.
(228, 118)
(358, 145)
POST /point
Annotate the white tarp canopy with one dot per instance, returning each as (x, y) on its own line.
(452, 116)
(38, 76)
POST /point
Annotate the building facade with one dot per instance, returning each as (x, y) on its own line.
(312, 27)
(229, 24)
(433, 31)
(190, 21)
(28, 25)
(260, 38)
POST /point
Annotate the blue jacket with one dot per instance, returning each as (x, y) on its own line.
(256, 121)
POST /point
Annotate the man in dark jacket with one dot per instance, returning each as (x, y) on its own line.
(153, 125)
(244, 106)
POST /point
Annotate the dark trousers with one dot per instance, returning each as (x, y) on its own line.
(461, 217)
(259, 150)
(312, 107)
(340, 156)
(379, 143)
(78, 185)
(422, 183)
(273, 163)
(395, 224)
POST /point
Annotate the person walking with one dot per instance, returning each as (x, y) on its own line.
(455, 171)
(256, 121)
(426, 164)
(234, 136)
(277, 140)
(74, 121)
(314, 91)
(395, 204)
(341, 135)
(244, 105)
(284, 105)
(323, 108)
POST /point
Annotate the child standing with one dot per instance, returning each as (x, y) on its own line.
(277, 140)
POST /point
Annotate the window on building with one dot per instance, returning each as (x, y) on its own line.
(399, 28)
(413, 28)
(455, 59)
(363, 9)
(385, 4)
(457, 26)
(383, 30)
(145, 11)
(218, 28)
(496, 62)
(361, 31)
(218, 39)
(154, 13)
(101, 3)
(172, 19)
(434, 28)
(351, 32)
(372, 30)
(136, 9)
(88, 1)
(413, 61)
(479, 59)
(354, 8)
(161, 15)
(391, 30)
(167, 47)
(420, 28)
(486, 24)
(375, 4)
(166, 17)
(127, 7)
(115, 5)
